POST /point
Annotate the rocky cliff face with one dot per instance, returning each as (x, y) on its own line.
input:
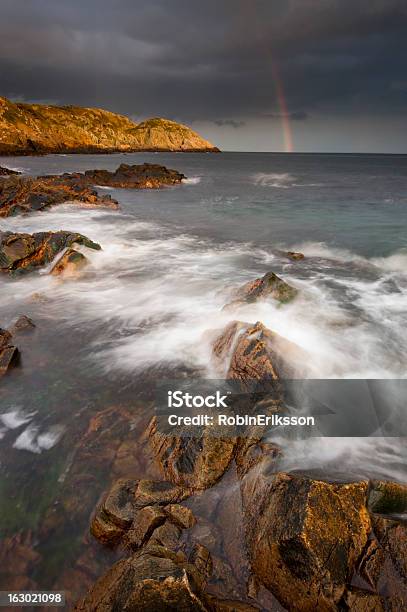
(27, 129)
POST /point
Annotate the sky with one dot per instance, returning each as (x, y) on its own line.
(255, 75)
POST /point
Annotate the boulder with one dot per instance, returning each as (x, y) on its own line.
(387, 497)
(357, 600)
(154, 579)
(5, 338)
(22, 253)
(9, 354)
(270, 285)
(304, 536)
(294, 256)
(145, 522)
(70, 264)
(23, 324)
(180, 515)
(392, 536)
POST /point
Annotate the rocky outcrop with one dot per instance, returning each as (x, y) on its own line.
(28, 194)
(28, 129)
(269, 286)
(22, 253)
(142, 176)
(25, 195)
(7, 171)
(304, 536)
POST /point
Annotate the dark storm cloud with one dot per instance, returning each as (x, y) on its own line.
(194, 60)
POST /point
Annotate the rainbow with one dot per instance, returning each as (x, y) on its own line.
(284, 114)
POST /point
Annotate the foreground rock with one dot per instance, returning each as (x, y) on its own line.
(7, 171)
(387, 497)
(70, 265)
(25, 195)
(28, 129)
(304, 536)
(270, 285)
(22, 253)
(9, 355)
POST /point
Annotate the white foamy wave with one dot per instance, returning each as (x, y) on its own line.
(15, 418)
(393, 263)
(192, 180)
(31, 440)
(280, 181)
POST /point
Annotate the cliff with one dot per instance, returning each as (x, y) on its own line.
(27, 129)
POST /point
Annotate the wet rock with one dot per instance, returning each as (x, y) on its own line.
(304, 536)
(23, 324)
(152, 580)
(22, 253)
(145, 522)
(18, 557)
(358, 600)
(392, 535)
(5, 338)
(28, 194)
(201, 558)
(7, 171)
(104, 530)
(143, 176)
(180, 515)
(247, 352)
(119, 505)
(387, 497)
(150, 492)
(70, 264)
(9, 357)
(196, 463)
(294, 256)
(270, 285)
(167, 535)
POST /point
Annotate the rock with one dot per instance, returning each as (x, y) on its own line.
(5, 338)
(229, 605)
(28, 129)
(295, 256)
(180, 515)
(167, 535)
(23, 324)
(145, 522)
(358, 600)
(9, 357)
(104, 530)
(151, 492)
(304, 536)
(18, 558)
(152, 580)
(70, 264)
(7, 171)
(392, 535)
(201, 558)
(387, 497)
(28, 194)
(247, 352)
(119, 504)
(196, 463)
(22, 253)
(270, 285)
(143, 176)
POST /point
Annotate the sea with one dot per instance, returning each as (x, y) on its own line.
(145, 304)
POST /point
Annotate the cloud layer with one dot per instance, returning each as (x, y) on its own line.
(207, 61)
